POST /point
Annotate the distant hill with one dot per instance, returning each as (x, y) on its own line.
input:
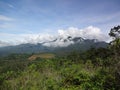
(68, 44)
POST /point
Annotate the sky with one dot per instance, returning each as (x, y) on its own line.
(35, 20)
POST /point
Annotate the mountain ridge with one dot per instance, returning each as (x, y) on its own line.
(68, 44)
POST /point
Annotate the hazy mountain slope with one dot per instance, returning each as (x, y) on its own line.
(68, 44)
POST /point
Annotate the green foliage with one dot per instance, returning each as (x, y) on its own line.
(94, 69)
(115, 32)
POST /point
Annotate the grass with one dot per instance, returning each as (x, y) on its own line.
(42, 55)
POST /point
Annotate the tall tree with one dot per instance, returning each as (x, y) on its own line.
(115, 32)
(115, 44)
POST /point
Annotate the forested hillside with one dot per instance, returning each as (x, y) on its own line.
(94, 69)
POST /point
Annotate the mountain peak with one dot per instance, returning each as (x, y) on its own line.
(57, 45)
(63, 41)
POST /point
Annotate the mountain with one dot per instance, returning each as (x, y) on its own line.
(59, 45)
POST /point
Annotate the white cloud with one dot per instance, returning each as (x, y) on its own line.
(5, 18)
(2, 43)
(38, 38)
(58, 43)
(6, 25)
(86, 33)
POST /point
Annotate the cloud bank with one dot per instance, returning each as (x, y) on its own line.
(2, 44)
(5, 18)
(86, 33)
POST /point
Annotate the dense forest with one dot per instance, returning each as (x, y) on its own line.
(94, 69)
